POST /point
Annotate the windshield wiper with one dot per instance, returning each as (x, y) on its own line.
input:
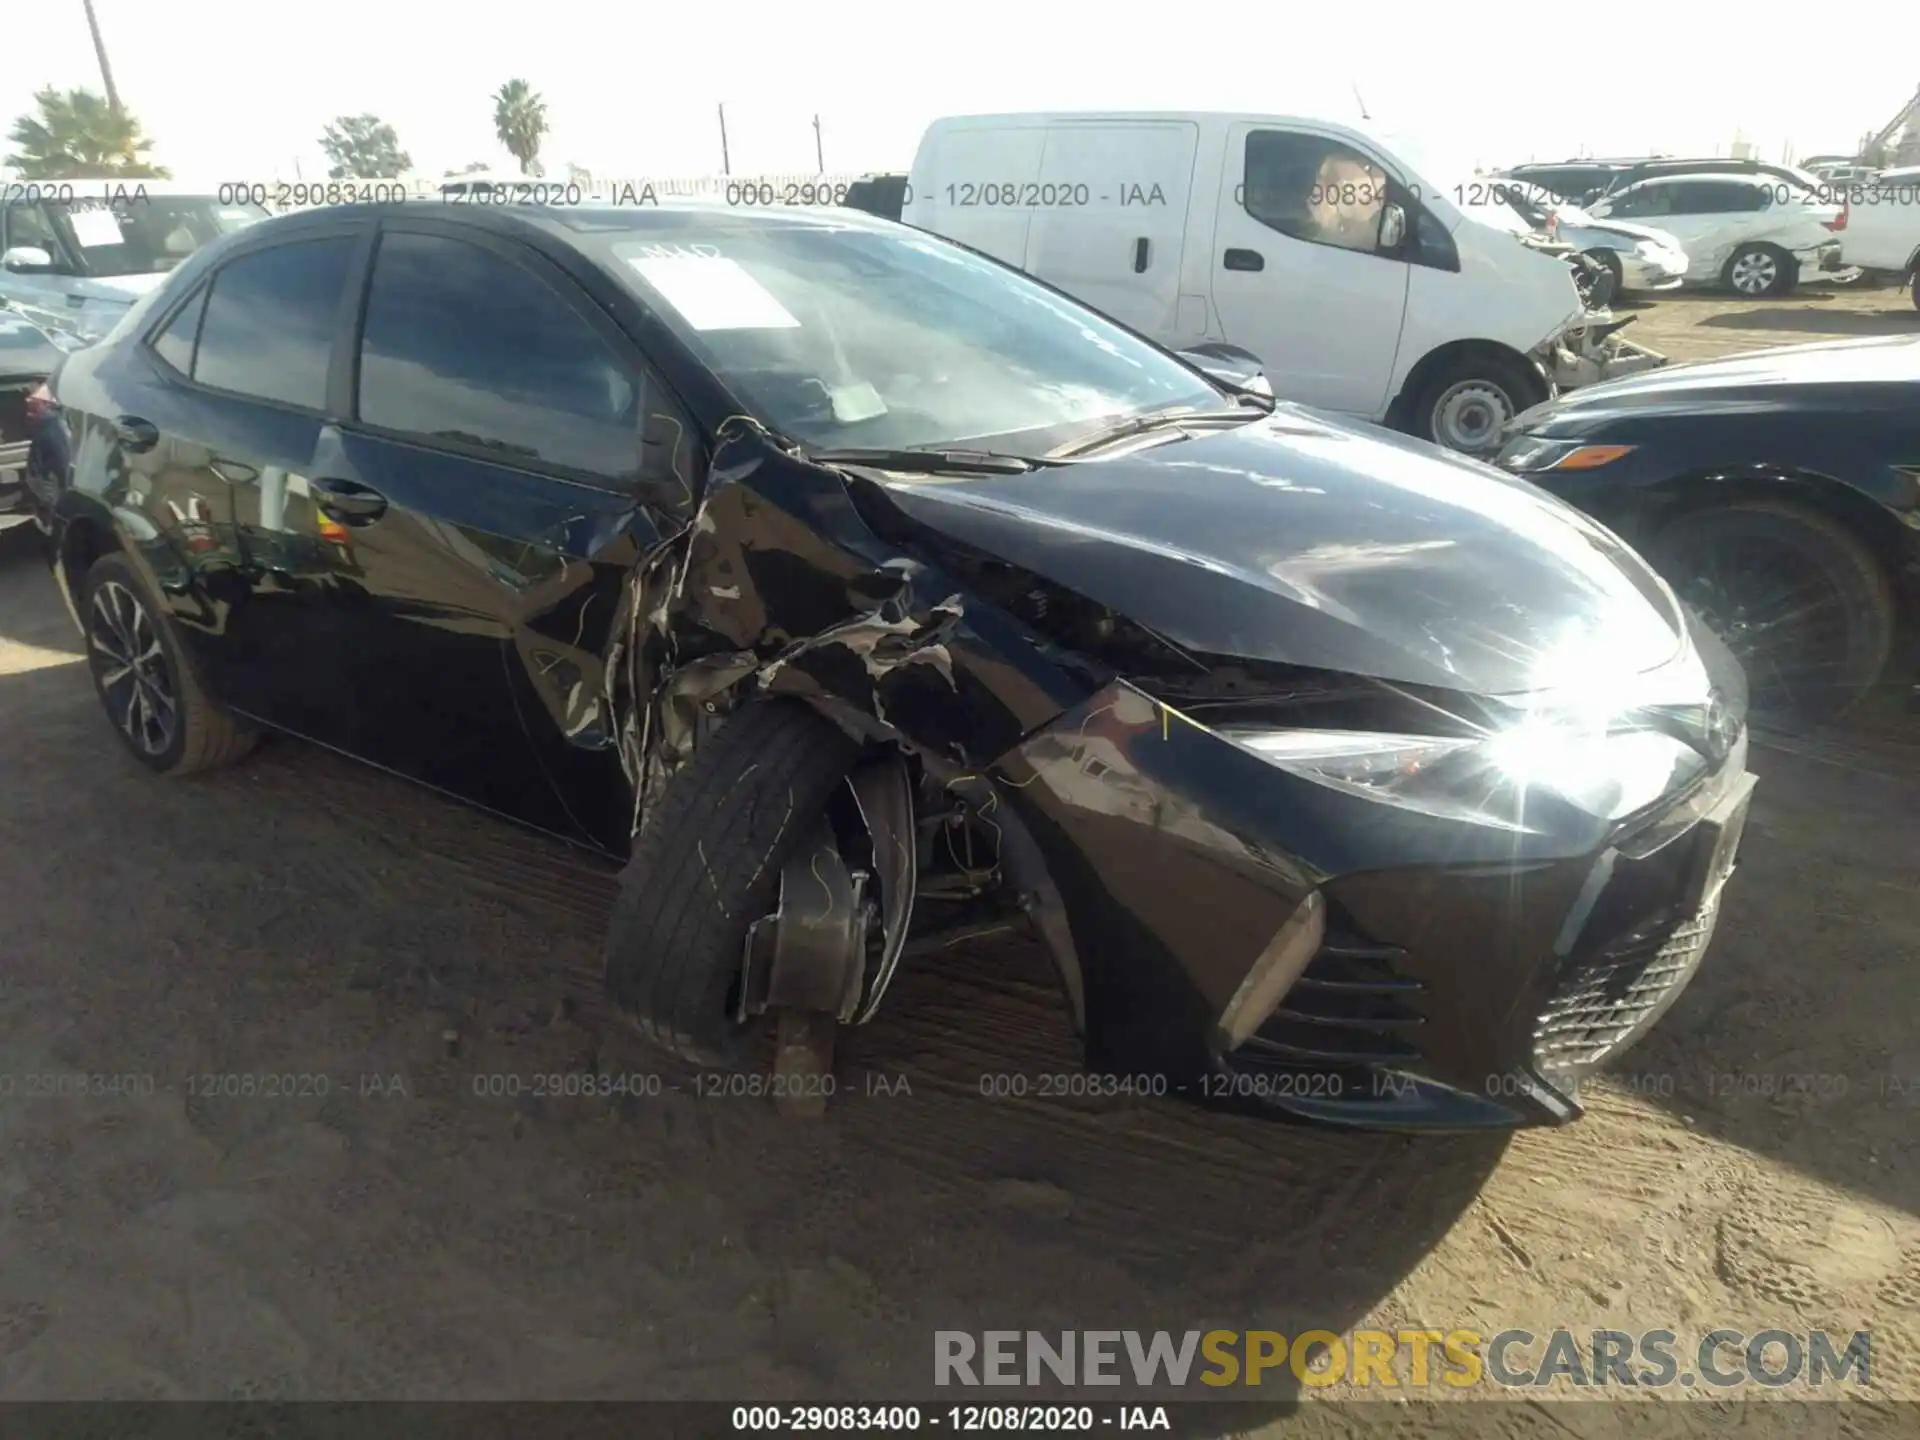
(1158, 420)
(930, 462)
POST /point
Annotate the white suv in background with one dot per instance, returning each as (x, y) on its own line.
(1756, 234)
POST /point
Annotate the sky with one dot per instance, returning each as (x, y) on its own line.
(239, 90)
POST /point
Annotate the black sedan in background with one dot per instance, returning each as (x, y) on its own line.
(1778, 492)
(856, 588)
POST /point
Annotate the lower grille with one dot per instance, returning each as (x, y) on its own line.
(1350, 1007)
(1602, 1007)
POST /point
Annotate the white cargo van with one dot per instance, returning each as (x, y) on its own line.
(1883, 229)
(1362, 287)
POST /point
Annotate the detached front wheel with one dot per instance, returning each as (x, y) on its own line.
(707, 865)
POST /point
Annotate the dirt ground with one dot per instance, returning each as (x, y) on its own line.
(406, 1234)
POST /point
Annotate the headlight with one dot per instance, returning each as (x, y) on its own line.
(1498, 779)
(1532, 454)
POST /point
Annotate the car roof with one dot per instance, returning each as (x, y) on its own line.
(586, 218)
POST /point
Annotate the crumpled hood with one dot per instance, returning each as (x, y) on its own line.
(1303, 540)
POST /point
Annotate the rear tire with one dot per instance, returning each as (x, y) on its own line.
(706, 865)
(157, 704)
(1802, 602)
(1468, 402)
(1758, 272)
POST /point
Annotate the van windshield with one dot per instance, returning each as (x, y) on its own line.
(143, 234)
(839, 335)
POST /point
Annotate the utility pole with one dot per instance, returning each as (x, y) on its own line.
(726, 164)
(100, 50)
(819, 157)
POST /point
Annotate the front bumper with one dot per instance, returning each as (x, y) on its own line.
(1638, 273)
(1456, 979)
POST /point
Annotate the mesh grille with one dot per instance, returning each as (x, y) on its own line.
(1600, 1008)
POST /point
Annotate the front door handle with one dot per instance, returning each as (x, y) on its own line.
(348, 501)
(136, 434)
(1244, 260)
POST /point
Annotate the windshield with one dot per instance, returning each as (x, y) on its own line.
(842, 336)
(143, 234)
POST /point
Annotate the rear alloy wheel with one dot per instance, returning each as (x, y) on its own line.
(1803, 605)
(1466, 406)
(1757, 271)
(150, 693)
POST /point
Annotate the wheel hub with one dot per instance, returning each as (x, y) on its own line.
(1754, 272)
(1469, 416)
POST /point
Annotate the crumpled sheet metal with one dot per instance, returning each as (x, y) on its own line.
(778, 584)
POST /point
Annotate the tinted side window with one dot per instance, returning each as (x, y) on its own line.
(1647, 200)
(25, 223)
(270, 320)
(175, 343)
(1314, 189)
(462, 344)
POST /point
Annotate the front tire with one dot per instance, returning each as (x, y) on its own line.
(1759, 272)
(1803, 603)
(706, 865)
(1468, 403)
(1606, 295)
(145, 681)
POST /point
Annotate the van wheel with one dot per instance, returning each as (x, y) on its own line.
(1757, 271)
(1803, 604)
(707, 864)
(1913, 288)
(158, 707)
(1467, 405)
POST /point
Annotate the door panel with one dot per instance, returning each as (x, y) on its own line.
(1325, 320)
(1109, 220)
(423, 625)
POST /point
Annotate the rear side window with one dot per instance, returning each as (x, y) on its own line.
(1314, 189)
(464, 345)
(175, 343)
(270, 320)
(1717, 197)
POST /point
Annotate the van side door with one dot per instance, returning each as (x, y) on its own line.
(1109, 222)
(1299, 276)
(969, 181)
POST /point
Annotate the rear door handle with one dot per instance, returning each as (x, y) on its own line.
(136, 434)
(1140, 256)
(348, 501)
(1244, 260)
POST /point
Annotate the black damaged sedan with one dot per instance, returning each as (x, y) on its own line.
(858, 590)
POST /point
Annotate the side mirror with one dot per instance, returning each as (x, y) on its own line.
(26, 257)
(1231, 366)
(1393, 227)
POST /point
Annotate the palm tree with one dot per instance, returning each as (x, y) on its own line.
(520, 120)
(79, 136)
(100, 50)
